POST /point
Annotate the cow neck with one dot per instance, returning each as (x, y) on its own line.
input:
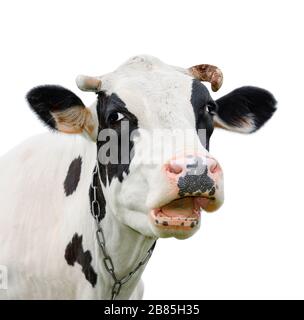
(124, 252)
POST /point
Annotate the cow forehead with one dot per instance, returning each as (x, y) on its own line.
(143, 62)
(156, 93)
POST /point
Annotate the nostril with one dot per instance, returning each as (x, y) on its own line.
(175, 168)
(214, 167)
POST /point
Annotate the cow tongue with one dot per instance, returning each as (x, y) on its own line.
(179, 208)
(201, 202)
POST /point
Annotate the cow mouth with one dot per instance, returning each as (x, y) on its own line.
(180, 214)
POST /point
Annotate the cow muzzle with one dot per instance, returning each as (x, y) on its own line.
(196, 184)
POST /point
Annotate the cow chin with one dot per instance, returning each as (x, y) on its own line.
(181, 217)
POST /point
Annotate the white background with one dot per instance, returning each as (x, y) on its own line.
(253, 247)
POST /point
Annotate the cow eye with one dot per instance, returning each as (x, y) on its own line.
(115, 117)
(211, 109)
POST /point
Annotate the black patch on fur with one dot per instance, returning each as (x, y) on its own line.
(238, 105)
(107, 106)
(50, 98)
(200, 99)
(73, 176)
(74, 253)
(190, 184)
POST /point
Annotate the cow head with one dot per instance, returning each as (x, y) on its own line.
(152, 123)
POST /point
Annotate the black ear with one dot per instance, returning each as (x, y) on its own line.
(60, 109)
(245, 109)
(45, 100)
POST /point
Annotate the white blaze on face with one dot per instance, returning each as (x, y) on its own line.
(159, 96)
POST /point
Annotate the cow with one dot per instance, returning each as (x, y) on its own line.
(76, 224)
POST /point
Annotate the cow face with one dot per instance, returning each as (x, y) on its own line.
(152, 124)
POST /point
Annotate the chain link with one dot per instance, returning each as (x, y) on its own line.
(108, 263)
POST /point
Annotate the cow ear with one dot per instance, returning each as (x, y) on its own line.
(245, 109)
(60, 109)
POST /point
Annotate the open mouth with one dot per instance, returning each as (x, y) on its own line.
(180, 214)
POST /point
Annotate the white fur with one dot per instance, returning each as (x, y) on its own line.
(159, 95)
(37, 220)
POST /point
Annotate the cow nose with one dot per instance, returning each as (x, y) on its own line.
(174, 168)
(192, 165)
(213, 166)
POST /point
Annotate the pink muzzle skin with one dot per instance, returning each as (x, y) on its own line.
(194, 182)
(193, 165)
(193, 175)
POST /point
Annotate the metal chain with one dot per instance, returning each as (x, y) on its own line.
(108, 263)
